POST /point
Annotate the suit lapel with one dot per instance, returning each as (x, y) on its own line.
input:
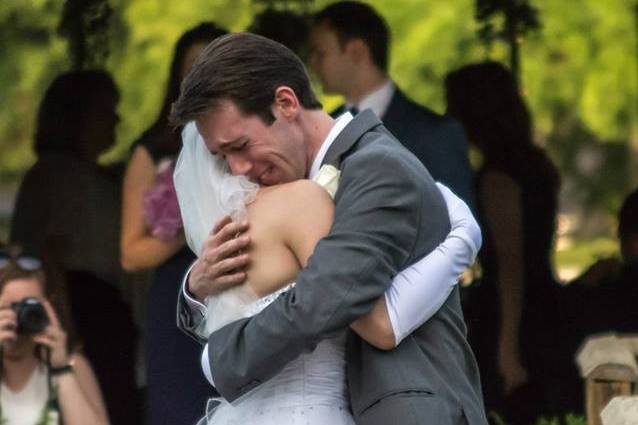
(361, 124)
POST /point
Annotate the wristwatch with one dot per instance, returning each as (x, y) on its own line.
(56, 371)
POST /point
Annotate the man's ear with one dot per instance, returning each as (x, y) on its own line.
(286, 103)
(358, 50)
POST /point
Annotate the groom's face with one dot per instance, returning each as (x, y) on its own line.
(266, 154)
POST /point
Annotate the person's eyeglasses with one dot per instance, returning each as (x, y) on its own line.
(26, 262)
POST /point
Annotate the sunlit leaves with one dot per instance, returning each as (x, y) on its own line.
(578, 70)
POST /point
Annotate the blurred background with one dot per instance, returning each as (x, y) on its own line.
(576, 62)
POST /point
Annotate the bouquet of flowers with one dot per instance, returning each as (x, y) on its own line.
(161, 209)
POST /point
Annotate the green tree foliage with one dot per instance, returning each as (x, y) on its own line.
(579, 75)
(30, 54)
(85, 24)
(578, 71)
(585, 60)
(517, 16)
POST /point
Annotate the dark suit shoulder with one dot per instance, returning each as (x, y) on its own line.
(378, 158)
(437, 140)
(420, 114)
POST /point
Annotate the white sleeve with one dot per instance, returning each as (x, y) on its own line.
(193, 305)
(420, 290)
(206, 366)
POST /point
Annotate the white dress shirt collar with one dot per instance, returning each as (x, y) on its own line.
(378, 100)
(339, 125)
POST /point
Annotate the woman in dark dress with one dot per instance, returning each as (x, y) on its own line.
(176, 388)
(517, 190)
(68, 206)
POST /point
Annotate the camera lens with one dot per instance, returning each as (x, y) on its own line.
(31, 315)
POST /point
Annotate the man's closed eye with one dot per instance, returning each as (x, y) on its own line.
(239, 148)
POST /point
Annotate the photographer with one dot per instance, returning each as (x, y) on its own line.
(44, 380)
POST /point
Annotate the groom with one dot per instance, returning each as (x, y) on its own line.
(252, 102)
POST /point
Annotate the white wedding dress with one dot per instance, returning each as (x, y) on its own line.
(310, 390)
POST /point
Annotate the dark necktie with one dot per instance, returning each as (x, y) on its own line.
(353, 110)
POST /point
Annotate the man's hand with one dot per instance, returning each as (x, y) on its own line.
(222, 262)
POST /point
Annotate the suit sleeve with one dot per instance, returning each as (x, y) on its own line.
(190, 312)
(379, 205)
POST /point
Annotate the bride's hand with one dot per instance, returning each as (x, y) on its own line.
(222, 261)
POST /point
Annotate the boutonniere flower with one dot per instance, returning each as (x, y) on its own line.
(328, 178)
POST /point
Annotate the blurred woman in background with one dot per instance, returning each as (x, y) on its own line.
(45, 379)
(517, 191)
(68, 204)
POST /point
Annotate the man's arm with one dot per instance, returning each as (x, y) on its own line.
(373, 236)
(190, 312)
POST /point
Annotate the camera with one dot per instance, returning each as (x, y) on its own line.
(31, 316)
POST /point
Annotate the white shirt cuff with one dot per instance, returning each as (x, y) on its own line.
(191, 302)
(206, 366)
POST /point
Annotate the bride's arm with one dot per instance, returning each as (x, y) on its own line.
(308, 218)
(139, 250)
(420, 290)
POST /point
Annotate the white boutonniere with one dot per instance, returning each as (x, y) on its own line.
(328, 178)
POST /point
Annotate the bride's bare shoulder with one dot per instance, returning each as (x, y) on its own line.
(300, 192)
(291, 199)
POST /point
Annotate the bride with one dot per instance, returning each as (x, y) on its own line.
(286, 222)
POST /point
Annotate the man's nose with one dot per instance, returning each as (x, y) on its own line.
(238, 165)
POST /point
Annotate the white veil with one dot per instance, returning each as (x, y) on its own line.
(206, 190)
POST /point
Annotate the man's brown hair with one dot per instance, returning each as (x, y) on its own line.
(245, 69)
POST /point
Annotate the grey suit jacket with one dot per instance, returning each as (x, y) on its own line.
(388, 214)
